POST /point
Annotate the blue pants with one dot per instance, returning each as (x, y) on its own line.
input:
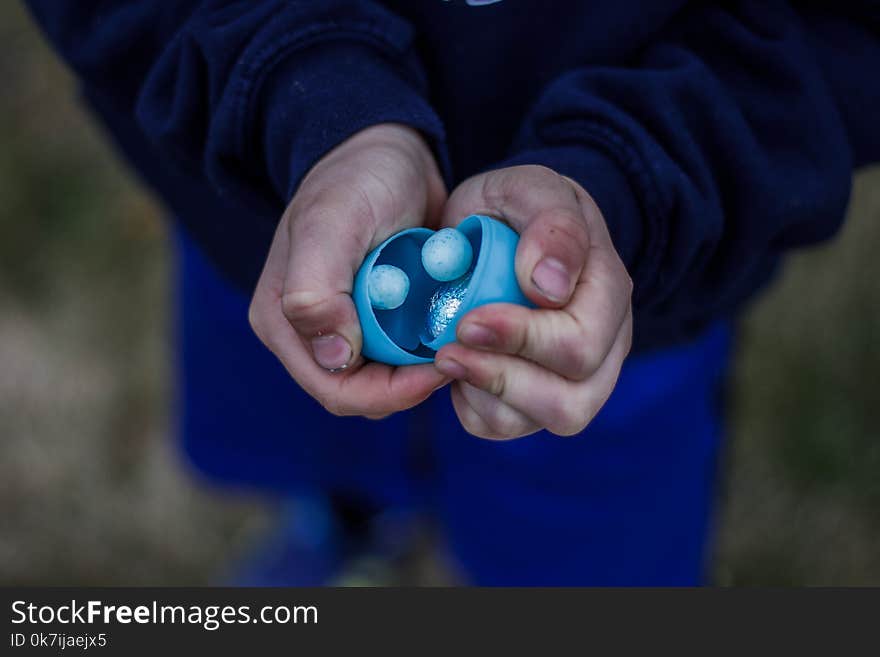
(628, 502)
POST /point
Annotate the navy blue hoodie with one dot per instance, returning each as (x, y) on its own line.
(713, 135)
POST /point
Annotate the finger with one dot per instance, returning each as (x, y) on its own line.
(573, 341)
(378, 390)
(485, 416)
(266, 300)
(544, 208)
(547, 399)
(562, 406)
(373, 390)
(317, 287)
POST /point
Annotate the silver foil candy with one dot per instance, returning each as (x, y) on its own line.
(444, 305)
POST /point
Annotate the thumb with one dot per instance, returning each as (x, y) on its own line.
(328, 241)
(551, 254)
(545, 209)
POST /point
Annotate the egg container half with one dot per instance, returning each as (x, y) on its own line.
(399, 336)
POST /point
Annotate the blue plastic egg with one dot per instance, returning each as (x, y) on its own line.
(413, 332)
(447, 255)
(388, 286)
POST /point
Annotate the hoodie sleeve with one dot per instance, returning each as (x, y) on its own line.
(250, 92)
(726, 142)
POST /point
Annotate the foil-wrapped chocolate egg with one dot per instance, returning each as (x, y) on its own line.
(387, 286)
(447, 255)
(444, 305)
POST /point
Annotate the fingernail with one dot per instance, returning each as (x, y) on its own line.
(552, 279)
(332, 352)
(451, 368)
(477, 335)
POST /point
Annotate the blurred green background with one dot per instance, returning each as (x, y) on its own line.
(92, 491)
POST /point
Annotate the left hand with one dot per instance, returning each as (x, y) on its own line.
(379, 181)
(520, 370)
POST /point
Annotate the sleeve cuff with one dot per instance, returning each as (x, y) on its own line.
(321, 96)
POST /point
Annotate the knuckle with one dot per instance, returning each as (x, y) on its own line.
(473, 424)
(535, 174)
(545, 171)
(581, 356)
(498, 430)
(298, 305)
(477, 429)
(621, 273)
(497, 384)
(570, 418)
(255, 320)
(497, 427)
(471, 420)
(502, 185)
(503, 422)
(332, 405)
(518, 338)
(538, 170)
(494, 191)
(568, 429)
(571, 182)
(627, 347)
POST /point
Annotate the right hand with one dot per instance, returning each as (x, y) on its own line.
(380, 181)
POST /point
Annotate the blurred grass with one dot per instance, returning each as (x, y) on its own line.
(91, 490)
(803, 494)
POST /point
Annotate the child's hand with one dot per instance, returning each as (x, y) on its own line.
(381, 181)
(519, 370)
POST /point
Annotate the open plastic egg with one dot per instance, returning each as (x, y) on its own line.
(414, 331)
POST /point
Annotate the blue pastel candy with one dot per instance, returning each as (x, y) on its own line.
(387, 286)
(447, 255)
